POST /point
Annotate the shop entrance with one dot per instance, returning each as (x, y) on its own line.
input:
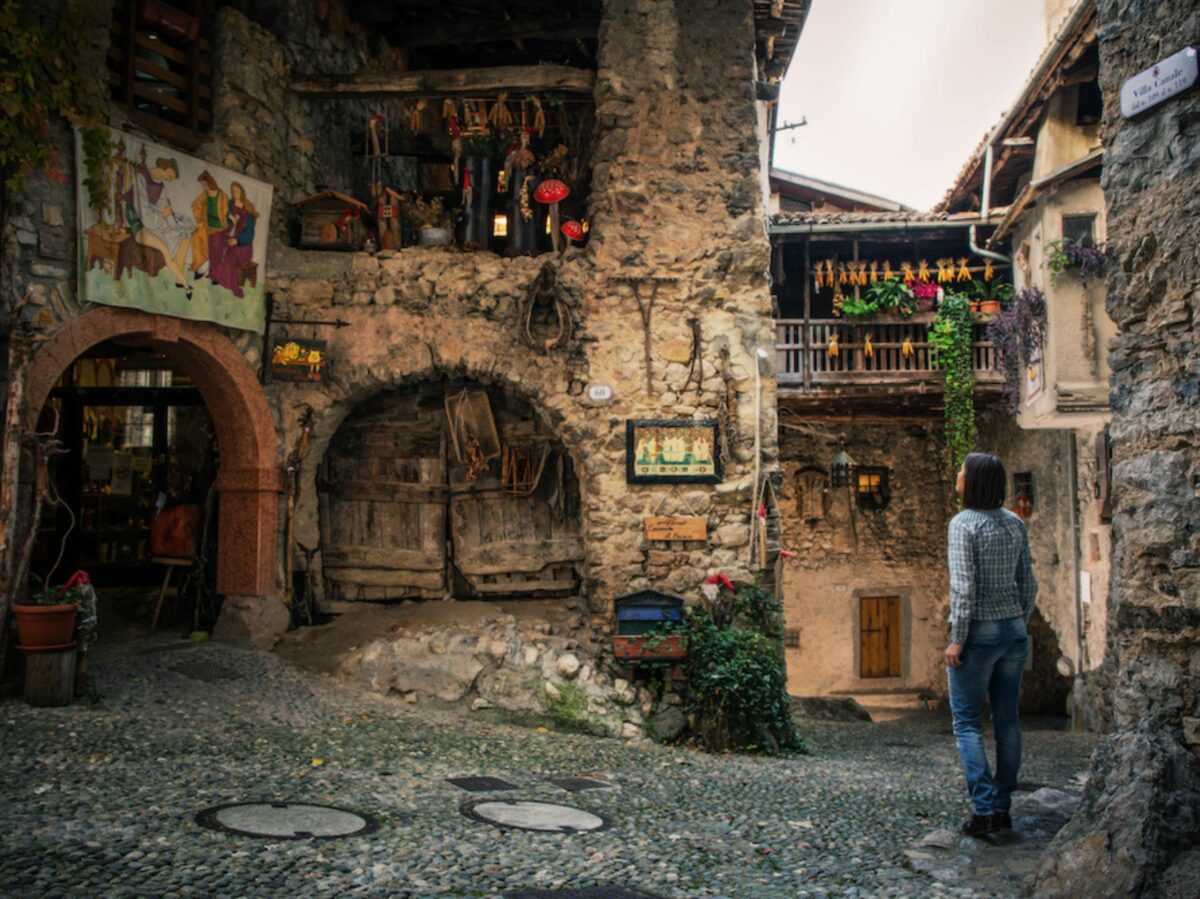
(449, 488)
(137, 478)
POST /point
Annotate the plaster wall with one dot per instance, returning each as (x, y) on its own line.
(849, 553)
(1078, 329)
(1060, 141)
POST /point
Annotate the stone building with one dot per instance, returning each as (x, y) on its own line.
(664, 313)
(1136, 832)
(1036, 178)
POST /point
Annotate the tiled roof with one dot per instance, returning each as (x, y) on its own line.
(867, 218)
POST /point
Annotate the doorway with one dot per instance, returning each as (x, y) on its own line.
(138, 442)
(448, 489)
(879, 636)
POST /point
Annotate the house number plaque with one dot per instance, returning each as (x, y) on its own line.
(676, 527)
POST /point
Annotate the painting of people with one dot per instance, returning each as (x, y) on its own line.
(173, 235)
(679, 451)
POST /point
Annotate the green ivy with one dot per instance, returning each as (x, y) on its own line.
(42, 77)
(950, 338)
(98, 148)
(737, 687)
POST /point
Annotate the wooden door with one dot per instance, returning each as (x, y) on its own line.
(879, 636)
(383, 501)
(505, 544)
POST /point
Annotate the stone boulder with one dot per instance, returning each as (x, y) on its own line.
(667, 725)
(828, 708)
(252, 622)
(408, 665)
(515, 690)
(1140, 814)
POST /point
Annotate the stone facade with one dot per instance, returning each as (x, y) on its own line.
(676, 216)
(1136, 832)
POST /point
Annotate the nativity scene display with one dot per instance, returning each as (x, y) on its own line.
(669, 451)
(170, 234)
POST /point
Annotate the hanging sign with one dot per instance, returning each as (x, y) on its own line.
(676, 527)
(293, 359)
(1161, 81)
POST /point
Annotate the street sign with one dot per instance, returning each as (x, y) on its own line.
(1161, 81)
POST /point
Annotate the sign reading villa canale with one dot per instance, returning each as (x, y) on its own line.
(1161, 81)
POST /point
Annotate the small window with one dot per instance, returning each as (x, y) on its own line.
(1080, 229)
(1091, 104)
(872, 488)
(1022, 493)
(791, 637)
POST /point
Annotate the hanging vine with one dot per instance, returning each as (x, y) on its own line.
(950, 338)
(1018, 332)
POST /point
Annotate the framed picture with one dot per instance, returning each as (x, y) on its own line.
(294, 359)
(672, 452)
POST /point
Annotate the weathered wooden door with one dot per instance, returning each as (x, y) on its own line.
(879, 636)
(506, 544)
(383, 501)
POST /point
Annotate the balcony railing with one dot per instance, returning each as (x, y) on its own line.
(804, 358)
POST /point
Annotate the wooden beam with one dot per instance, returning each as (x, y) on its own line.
(449, 82)
(456, 34)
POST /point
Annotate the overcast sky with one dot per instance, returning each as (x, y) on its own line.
(898, 93)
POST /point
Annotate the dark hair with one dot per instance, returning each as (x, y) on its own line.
(984, 481)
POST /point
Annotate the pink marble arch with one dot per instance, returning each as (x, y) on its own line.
(250, 478)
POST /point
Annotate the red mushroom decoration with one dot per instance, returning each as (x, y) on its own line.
(573, 230)
(552, 191)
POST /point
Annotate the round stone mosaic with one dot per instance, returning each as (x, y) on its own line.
(285, 820)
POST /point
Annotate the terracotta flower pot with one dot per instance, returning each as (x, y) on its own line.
(989, 307)
(40, 628)
(974, 305)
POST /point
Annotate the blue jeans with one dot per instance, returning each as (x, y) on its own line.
(992, 662)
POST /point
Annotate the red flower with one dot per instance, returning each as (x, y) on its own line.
(786, 554)
(762, 510)
(719, 578)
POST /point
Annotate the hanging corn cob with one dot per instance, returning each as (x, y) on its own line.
(945, 272)
(500, 118)
(923, 270)
(539, 116)
(874, 272)
(832, 351)
(888, 274)
(843, 275)
(988, 271)
(906, 348)
(906, 271)
(868, 350)
(414, 115)
(964, 273)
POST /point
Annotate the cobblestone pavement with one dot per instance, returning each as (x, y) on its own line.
(100, 800)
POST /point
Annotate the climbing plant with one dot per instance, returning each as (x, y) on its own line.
(42, 77)
(950, 338)
(1017, 332)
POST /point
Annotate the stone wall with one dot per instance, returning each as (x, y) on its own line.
(677, 220)
(1138, 829)
(849, 553)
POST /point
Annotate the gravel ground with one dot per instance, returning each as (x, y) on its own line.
(100, 800)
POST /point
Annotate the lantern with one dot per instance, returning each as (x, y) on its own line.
(841, 469)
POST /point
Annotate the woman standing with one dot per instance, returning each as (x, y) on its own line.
(233, 247)
(992, 594)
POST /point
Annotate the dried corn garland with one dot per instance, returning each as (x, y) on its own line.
(414, 116)
(500, 118)
(964, 273)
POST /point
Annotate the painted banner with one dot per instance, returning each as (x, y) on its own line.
(172, 234)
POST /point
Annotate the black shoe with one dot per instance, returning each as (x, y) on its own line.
(1002, 820)
(978, 825)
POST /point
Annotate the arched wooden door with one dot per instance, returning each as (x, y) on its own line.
(406, 512)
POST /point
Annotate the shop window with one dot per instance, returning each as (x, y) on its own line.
(872, 488)
(160, 67)
(1080, 229)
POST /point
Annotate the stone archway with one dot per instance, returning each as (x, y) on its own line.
(249, 479)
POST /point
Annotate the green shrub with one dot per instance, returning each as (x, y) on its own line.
(737, 689)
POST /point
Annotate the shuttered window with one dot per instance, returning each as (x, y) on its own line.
(160, 67)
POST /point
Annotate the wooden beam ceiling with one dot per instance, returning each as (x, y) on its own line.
(448, 82)
(448, 34)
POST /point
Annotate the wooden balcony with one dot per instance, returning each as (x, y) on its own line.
(804, 362)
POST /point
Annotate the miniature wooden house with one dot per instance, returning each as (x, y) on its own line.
(331, 221)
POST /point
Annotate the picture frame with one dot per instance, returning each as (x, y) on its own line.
(672, 451)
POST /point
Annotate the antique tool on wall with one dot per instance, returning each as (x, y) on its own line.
(295, 463)
(545, 291)
(646, 308)
(695, 360)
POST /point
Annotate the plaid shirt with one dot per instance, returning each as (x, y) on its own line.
(991, 576)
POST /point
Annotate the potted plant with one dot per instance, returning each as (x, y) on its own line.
(990, 297)
(47, 621)
(924, 294)
(892, 295)
(431, 220)
(1065, 253)
(665, 643)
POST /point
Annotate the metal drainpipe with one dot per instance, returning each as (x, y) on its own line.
(985, 210)
(1072, 481)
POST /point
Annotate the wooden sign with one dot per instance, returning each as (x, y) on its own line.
(676, 527)
(293, 359)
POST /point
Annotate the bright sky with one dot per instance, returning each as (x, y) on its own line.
(898, 93)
